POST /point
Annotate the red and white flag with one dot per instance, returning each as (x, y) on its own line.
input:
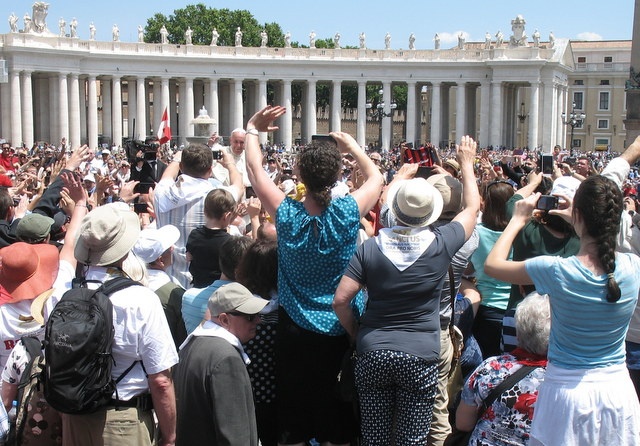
(164, 132)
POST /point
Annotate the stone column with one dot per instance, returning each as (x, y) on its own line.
(534, 115)
(63, 106)
(461, 125)
(262, 103)
(336, 106)
(116, 111)
(410, 118)
(141, 116)
(16, 109)
(212, 102)
(485, 107)
(27, 109)
(74, 112)
(236, 107)
(5, 110)
(361, 124)
(132, 109)
(387, 121)
(436, 123)
(92, 112)
(186, 115)
(495, 138)
(287, 119)
(106, 108)
(547, 119)
(83, 109)
(154, 120)
(310, 110)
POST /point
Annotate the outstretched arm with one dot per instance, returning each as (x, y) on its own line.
(368, 194)
(497, 264)
(269, 194)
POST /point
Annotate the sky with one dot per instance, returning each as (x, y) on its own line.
(584, 20)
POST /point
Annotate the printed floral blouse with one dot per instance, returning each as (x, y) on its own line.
(508, 420)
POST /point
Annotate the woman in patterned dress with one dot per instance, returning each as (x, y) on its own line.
(508, 420)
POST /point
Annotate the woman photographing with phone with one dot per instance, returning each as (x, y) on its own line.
(587, 396)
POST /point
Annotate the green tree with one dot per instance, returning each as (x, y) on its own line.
(202, 19)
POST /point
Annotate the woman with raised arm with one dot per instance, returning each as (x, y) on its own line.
(587, 396)
(316, 239)
(398, 337)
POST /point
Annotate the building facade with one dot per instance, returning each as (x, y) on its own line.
(509, 93)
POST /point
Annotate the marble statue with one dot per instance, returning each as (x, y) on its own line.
(499, 38)
(336, 41)
(552, 39)
(62, 25)
(27, 23)
(92, 31)
(436, 40)
(264, 38)
(487, 41)
(461, 41)
(13, 23)
(140, 34)
(387, 41)
(519, 37)
(363, 41)
(214, 37)
(536, 38)
(188, 36)
(238, 37)
(115, 33)
(73, 28)
(287, 40)
(164, 35)
(412, 41)
(39, 19)
(312, 39)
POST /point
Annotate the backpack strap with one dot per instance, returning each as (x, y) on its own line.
(33, 346)
(117, 284)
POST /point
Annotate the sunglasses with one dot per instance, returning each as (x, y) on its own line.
(248, 317)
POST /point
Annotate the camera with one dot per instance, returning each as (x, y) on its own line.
(424, 171)
(140, 208)
(326, 138)
(142, 188)
(217, 154)
(547, 203)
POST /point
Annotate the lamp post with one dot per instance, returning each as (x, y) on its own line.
(522, 116)
(574, 120)
(377, 112)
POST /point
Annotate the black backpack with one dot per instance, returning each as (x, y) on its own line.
(36, 423)
(78, 340)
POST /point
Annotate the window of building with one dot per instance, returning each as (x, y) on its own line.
(604, 82)
(582, 59)
(577, 143)
(603, 103)
(608, 59)
(578, 99)
(578, 82)
(603, 124)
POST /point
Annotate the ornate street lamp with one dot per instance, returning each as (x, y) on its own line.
(574, 120)
(522, 116)
(376, 111)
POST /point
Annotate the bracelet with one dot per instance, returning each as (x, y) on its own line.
(254, 131)
(82, 205)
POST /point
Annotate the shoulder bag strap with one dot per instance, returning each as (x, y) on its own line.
(508, 383)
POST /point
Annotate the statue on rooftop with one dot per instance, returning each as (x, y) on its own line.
(13, 23)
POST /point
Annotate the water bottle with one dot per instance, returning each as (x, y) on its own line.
(13, 413)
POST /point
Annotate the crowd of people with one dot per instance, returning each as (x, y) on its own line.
(444, 273)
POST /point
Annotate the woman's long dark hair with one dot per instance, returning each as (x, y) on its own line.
(599, 201)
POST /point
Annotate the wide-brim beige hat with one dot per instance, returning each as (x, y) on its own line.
(414, 203)
(106, 235)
